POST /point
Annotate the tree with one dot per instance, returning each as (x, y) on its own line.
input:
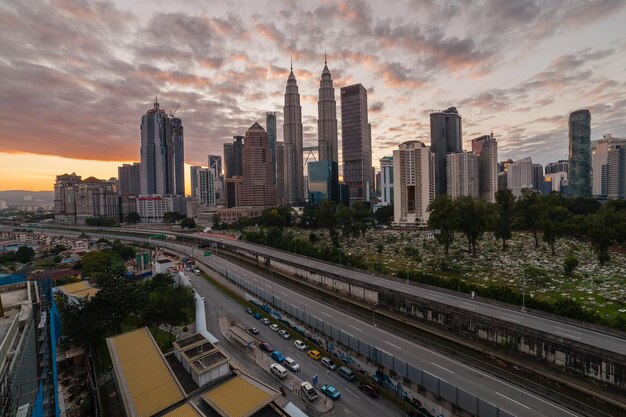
(188, 223)
(569, 265)
(133, 218)
(125, 252)
(602, 229)
(276, 217)
(105, 262)
(384, 215)
(443, 219)
(528, 212)
(474, 217)
(363, 217)
(100, 222)
(172, 217)
(24, 254)
(346, 221)
(506, 205)
(242, 223)
(327, 217)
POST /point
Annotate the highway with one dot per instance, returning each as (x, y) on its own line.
(561, 329)
(514, 400)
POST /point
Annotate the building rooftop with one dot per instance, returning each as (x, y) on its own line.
(79, 289)
(238, 397)
(185, 410)
(147, 384)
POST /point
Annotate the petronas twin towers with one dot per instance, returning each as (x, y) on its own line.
(292, 133)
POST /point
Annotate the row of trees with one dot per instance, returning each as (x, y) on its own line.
(551, 215)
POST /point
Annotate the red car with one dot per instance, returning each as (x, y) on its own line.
(266, 347)
(368, 389)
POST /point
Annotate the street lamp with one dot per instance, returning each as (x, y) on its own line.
(374, 324)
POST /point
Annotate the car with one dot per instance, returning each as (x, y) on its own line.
(314, 354)
(368, 389)
(284, 334)
(291, 364)
(299, 344)
(265, 321)
(274, 327)
(328, 363)
(330, 391)
(257, 316)
(197, 271)
(266, 347)
(249, 310)
(278, 370)
(253, 330)
(277, 356)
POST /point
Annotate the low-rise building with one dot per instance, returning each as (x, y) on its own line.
(152, 207)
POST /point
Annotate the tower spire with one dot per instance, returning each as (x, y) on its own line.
(156, 102)
(325, 61)
(291, 63)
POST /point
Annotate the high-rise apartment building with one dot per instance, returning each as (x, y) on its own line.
(327, 118)
(356, 146)
(280, 172)
(76, 200)
(386, 180)
(257, 188)
(445, 137)
(414, 189)
(599, 160)
(206, 186)
(462, 174)
(179, 156)
(232, 157)
(65, 189)
(486, 148)
(193, 175)
(580, 153)
(270, 125)
(129, 179)
(157, 152)
(616, 171)
(520, 176)
(537, 177)
(560, 166)
(292, 136)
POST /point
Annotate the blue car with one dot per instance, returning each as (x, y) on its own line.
(278, 357)
(330, 391)
(257, 316)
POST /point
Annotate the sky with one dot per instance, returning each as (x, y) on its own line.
(76, 75)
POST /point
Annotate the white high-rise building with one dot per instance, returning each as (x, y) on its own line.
(206, 186)
(486, 148)
(462, 174)
(520, 176)
(292, 137)
(414, 183)
(386, 180)
(599, 158)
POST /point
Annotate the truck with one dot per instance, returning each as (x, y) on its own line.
(308, 391)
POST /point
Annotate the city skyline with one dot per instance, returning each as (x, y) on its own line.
(512, 73)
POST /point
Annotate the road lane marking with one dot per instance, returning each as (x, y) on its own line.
(285, 294)
(355, 328)
(567, 335)
(508, 319)
(389, 343)
(468, 306)
(326, 314)
(336, 382)
(511, 399)
(567, 330)
(442, 367)
(352, 393)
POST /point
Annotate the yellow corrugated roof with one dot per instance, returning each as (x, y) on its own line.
(74, 287)
(89, 293)
(237, 398)
(146, 382)
(185, 410)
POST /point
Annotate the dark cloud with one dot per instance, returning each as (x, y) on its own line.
(377, 107)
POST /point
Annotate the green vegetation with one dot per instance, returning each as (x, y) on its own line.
(133, 218)
(188, 223)
(172, 217)
(101, 222)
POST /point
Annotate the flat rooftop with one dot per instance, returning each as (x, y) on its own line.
(240, 396)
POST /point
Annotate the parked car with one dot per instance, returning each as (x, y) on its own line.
(284, 334)
(274, 327)
(197, 271)
(368, 389)
(328, 363)
(330, 391)
(299, 344)
(257, 316)
(253, 330)
(249, 310)
(277, 356)
(265, 321)
(291, 364)
(266, 347)
(278, 370)
(314, 354)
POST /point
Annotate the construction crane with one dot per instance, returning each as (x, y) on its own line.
(172, 114)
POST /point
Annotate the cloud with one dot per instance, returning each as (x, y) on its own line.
(376, 107)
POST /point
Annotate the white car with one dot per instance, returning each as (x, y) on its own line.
(265, 321)
(284, 334)
(291, 364)
(274, 327)
(299, 344)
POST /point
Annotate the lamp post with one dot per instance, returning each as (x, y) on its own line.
(374, 323)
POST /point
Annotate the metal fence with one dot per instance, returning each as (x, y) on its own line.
(451, 393)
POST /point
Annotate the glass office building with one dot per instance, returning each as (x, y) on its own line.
(323, 182)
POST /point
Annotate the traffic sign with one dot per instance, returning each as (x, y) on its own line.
(314, 380)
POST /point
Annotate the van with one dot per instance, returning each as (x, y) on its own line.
(328, 363)
(278, 370)
(346, 372)
(308, 391)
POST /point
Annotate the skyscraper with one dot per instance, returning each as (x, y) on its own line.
(270, 125)
(356, 147)
(323, 182)
(215, 164)
(414, 189)
(462, 174)
(486, 147)
(206, 186)
(157, 152)
(616, 171)
(580, 153)
(193, 174)
(599, 159)
(537, 177)
(179, 156)
(386, 180)
(445, 137)
(232, 157)
(327, 118)
(520, 176)
(280, 172)
(555, 167)
(292, 134)
(257, 188)
(128, 177)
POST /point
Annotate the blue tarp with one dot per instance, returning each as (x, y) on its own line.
(7, 279)
(55, 333)
(38, 406)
